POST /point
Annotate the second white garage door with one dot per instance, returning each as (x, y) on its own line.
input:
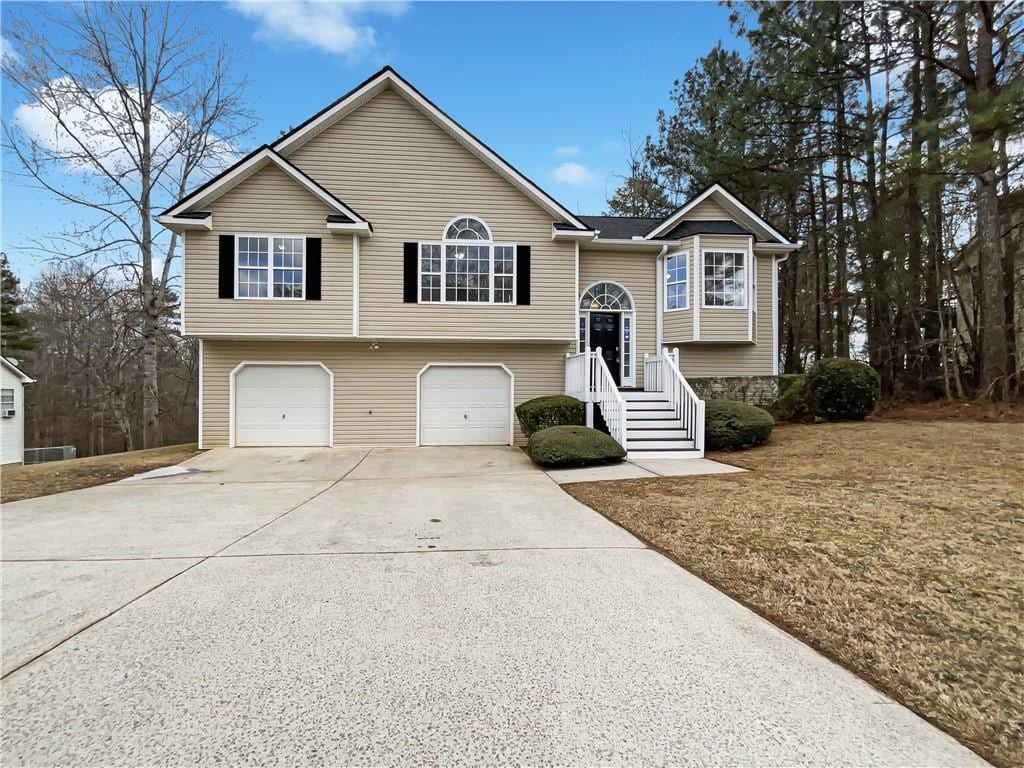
(465, 405)
(282, 405)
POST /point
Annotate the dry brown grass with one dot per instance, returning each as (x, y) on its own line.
(896, 548)
(27, 482)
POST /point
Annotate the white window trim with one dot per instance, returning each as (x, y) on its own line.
(443, 244)
(746, 279)
(666, 282)
(270, 266)
(511, 393)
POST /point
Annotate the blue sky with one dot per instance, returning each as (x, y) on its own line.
(552, 87)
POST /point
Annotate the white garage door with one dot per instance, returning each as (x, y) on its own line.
(282, 405)
(465, 405)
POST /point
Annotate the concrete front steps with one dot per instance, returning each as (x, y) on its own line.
(653, 431)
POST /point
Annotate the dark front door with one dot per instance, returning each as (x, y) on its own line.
(604, 333)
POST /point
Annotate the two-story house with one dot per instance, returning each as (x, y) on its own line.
(378, 276)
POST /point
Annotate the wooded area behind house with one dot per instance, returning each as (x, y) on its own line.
(888, 137)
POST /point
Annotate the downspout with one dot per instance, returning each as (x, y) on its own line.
(660, 298)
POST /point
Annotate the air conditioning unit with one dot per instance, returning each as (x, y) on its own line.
(8, 413)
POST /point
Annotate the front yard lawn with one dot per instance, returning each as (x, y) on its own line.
(27, 482)
(896, 548)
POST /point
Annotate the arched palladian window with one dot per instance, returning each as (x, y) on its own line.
(607, 296)
(467, 266)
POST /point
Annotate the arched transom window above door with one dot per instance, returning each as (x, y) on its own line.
(605, 296)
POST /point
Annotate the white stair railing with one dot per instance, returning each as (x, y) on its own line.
(607, 395)
(587, 378)
(661, 374)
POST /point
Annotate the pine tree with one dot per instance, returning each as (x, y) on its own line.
(15, 337)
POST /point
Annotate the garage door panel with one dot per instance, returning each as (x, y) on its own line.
(282, 405)
(465, 405)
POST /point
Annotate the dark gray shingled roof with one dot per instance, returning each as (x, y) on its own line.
(704, 227)
(628, 227)
(620, 227)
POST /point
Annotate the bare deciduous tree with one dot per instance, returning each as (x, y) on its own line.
(117, 123)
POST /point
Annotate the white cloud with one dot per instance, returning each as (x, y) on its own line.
(104, 139)
(575, 175)
(568, 150)
(333, 27)
(7, 51)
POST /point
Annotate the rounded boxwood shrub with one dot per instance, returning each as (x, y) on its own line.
(732, 426)
(551, 411)
(794, 402)
(843, 389)
(571, 446)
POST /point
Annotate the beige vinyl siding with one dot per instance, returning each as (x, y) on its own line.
(721, 323)
(269, 202)
(678, 323)
(374, 391)
(407, 176)
(700, 359)
(707, 210)
(636, 272)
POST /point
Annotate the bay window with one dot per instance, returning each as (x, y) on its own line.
(725, 279)
(270, 267)
(677, 281)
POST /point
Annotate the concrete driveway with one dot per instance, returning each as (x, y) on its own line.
(400, 606)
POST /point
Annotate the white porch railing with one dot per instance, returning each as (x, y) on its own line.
(661, 374)
(587, 378)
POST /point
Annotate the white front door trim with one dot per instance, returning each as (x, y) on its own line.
(511, 392)
(246, 363)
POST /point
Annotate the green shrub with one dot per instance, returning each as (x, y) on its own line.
(794, 402)
(551, 411)
(570, 446)
(843, 389)
(732, 426)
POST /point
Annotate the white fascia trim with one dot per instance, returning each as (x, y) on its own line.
(359, 229)
(176, 224)
(246, 363)
(578, 235)
(248, 168)
(781, 248)
(625, 245)
(390, 78)
(355, 285)
(511, 393)
(199, 431)
(741, 210)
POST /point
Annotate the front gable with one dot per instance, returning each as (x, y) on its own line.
(388, 82)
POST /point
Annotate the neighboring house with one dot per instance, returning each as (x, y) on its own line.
(12, 411)
(380, 277)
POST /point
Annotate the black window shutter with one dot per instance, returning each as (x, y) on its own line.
(226, 268)
(313, 269)
(522, 274)
(410, 290)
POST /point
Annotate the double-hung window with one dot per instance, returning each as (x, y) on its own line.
(7, 400)
(270, 267)
(467, 266)
(725, 279)
(677, 281)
